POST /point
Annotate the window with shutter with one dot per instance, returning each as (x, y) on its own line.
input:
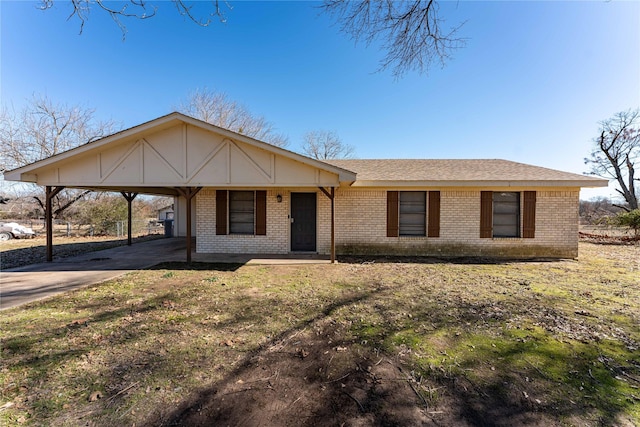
(241, 212)
(506, 214)
(413, 213)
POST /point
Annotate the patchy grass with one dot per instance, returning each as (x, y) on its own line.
(359, 343)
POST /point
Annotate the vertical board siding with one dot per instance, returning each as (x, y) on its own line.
(529, 215)
(486, 214)
(433, 217)
(392, 214)
(261, 213)
(221, 212)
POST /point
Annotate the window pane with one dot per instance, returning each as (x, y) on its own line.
(505, 231)
(506, 197)
(506, 214)
(241, 212)
(413, 214)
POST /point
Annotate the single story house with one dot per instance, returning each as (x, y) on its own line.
(236, 194)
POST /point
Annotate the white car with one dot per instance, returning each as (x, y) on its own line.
(13, 230)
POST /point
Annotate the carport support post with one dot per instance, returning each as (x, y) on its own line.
(129, 196)
(188, 193)
(332, 195)
(50, 193)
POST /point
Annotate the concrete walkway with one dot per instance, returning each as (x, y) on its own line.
(33, 282)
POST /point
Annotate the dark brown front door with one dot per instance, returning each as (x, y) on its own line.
(303, 222)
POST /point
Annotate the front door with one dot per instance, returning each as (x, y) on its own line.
(303, 222)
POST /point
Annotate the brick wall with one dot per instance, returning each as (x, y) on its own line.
(275, 242)
(361, 226)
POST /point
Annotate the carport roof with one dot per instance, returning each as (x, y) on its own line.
(29, 173)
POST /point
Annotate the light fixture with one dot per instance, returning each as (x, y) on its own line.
(279, 198)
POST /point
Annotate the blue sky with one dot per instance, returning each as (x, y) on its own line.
(531, 84)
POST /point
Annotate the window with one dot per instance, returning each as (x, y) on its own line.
(241, 212)
(413, 213)
(506, 214)
(244, 212)
(500, 214)
(407, 213)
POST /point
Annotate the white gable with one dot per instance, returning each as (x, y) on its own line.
(180, 153)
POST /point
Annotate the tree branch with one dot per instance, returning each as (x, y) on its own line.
(137, 9)
(615, 153)
(409, 31)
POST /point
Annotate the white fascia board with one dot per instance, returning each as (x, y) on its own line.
(15, 175)
(592, 183)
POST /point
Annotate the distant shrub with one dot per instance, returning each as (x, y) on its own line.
(628, 219)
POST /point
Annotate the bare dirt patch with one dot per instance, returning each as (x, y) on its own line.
(308, 378)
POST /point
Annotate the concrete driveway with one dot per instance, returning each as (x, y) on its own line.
(33, 282)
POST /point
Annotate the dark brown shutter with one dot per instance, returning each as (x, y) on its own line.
(486, 214)
(433, 217)
(221, 212)
(392, 214)
(529, 215)
(261, 213)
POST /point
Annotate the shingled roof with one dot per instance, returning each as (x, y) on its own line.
(449, 172)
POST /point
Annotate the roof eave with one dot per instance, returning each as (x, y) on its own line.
(590, 183)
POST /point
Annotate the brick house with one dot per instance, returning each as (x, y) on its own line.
(240, 195)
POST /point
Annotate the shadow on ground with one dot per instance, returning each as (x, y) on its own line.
(323, 372)
(327, 366)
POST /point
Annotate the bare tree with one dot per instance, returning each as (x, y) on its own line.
(325, 145)
(597, 210)
(411, 31)
(218, 109)
(43, 129)
(616, 151)
(139, 9)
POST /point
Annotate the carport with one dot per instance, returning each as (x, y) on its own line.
(177, 156)
(129, 194)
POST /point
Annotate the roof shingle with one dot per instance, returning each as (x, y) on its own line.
(457, 170)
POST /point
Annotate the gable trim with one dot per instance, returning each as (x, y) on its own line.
(24, 173)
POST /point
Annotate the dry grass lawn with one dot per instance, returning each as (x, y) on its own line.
(366, 342)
